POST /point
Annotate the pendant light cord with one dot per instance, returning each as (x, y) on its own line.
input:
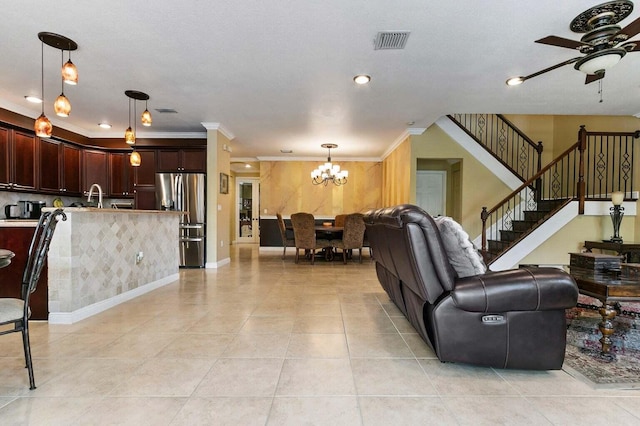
(42, 73)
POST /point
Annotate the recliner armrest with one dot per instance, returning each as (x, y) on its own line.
(537, 289)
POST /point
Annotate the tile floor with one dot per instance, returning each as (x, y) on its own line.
(266, 342)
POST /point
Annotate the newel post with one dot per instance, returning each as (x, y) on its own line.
(483, 216)
(582, 146)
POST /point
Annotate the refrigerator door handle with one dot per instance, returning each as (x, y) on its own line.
(191, 226)
(179, 193)
(191, 240)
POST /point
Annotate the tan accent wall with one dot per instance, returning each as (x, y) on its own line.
(480, 187)
(218, 219)
(398, 170)
(286, 188)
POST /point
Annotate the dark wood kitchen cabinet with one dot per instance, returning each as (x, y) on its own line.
(121, 175)
(145, 181)
(18, 160)
(59, 167)
(18, 239)
(95, 170)
(182, 160)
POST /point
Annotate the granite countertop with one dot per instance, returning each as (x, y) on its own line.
(111, 210)
(18, 223)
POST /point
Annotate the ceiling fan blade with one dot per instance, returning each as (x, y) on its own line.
(561, 42)
(593, 77)
(631, 46)
(631, 29)
(551, 68)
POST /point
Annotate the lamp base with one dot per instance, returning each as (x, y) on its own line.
(616, 240)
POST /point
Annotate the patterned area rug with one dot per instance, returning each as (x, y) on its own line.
(583, 360)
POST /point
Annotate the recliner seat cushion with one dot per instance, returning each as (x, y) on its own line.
(463, 256)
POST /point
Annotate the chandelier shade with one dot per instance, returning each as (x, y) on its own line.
(329, 172)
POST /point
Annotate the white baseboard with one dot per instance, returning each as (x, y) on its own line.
(103, 305)
(215, 265)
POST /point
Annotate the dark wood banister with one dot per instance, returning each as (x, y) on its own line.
(485, 213)
(537, 146)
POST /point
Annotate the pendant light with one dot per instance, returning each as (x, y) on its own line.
(135, 159)
(146, 116)
(42, 126)
(129, 135)
(62, 106)
(69, 72)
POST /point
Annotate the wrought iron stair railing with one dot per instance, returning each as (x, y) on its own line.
(591, 169)
(515, 150)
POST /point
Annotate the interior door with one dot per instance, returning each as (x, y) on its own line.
(431, 191)
(247, 210)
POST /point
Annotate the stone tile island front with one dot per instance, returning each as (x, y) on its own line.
(102, 257)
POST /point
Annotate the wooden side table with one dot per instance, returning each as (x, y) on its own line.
(630, 250)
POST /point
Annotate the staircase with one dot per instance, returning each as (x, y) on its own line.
(598, 164)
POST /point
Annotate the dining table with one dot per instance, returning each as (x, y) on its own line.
(5, 257)
(326, 232)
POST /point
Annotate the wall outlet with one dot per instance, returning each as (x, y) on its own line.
(139, 257)
(221, 243)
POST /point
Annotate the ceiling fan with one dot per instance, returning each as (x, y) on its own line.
(603, 44)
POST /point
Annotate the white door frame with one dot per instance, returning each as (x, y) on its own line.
(255, 210)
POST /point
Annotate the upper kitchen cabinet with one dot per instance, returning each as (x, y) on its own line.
(95, 170)
(17, 160)
(121, 175)
(182, 160)
(59, 167)
(145, 173)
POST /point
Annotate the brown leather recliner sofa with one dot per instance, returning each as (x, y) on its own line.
(505, 319)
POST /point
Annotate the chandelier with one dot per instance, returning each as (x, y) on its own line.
(329, 172)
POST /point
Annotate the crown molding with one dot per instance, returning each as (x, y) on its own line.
(404, 135)
(416, 131)
(219, 127)
(321, 159)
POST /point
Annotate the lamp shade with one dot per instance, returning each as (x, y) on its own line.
(617, 198)
(43, 127)
(70, 73)
(146, 118)
(129, 136)
(135, 159)
(600, 61)
(62, 106)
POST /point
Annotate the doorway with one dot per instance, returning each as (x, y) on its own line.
(248, 210)
(431, 191)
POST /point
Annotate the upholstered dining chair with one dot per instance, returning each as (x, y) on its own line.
(352, 235)
(286, 242)
(17, 311)
(339, 220)
(304, 235)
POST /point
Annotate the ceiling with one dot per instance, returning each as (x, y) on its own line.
(277, 75)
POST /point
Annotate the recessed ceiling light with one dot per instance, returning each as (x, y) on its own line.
(410, 123)
(247, 166)
(104, 125)
(362, 79)
(33, 99)
(286, 151)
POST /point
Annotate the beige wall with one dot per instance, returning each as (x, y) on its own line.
(398, 170)
(218, 205)
(286, 188)
(480, 187)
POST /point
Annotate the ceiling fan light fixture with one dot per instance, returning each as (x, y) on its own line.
(601, 61)
(514, 81)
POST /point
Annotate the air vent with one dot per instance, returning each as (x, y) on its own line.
(166, 110)
(391, 40)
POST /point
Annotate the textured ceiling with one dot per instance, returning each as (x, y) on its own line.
(278, 74)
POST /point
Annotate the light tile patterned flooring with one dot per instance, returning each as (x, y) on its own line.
(266, 342)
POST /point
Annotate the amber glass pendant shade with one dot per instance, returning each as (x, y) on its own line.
(135, 159)
(129, 136)
(146, 118)
(43, 127)
(62, 106)
(70, 73)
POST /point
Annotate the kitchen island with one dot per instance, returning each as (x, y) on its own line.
(100, 258)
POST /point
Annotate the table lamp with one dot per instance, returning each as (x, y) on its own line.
(616, 212)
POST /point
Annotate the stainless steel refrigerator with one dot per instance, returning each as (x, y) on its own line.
(186, 192)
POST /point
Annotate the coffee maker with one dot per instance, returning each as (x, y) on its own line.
(31, 209)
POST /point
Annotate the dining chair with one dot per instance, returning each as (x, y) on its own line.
(339, 220)
(286, 242)
(304, 235)
(17, 311)
(352, 236)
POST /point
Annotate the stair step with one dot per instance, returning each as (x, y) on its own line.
(509, 236)
(548, 205)
(523, 225)
(496, 246)
(534, 215)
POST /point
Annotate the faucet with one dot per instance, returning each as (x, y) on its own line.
(95, 185)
